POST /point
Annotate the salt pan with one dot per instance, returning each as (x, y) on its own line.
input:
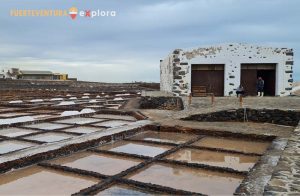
(67, 103)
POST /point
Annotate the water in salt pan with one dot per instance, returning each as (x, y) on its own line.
(49, 137)
(112, 123)
(95, 106)
(123, 190)
(135, 148)
(43, 111)
(41, 116)
(79, 120)
(57, 99)
(16, 101)
(164, 137)
(118, 99)
(125, 94)
(221, 159)
(14, 132)
(7, 109)
(13, 114)
(111, 116)
(83, 129)
(104, 164)
(74, 112)
(40, 181)
(189, 179)
(10, 146)
(47, 126)
(67, 103)
(113, 107)
(16, 120)
(36, 100)
(87, 111)
(69, 113)
(246, 146)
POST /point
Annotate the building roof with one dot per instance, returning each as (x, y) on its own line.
(234, 45)
(29, 72)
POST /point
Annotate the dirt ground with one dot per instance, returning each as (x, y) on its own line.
(236, 127)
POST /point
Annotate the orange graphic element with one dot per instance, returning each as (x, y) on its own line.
(73, 12)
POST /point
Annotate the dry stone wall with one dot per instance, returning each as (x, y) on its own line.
(161, 103)
(282, 117)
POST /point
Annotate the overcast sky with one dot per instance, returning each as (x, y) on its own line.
(128, 47)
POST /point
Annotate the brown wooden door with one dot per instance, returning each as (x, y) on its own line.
(250, 73)
(213, 80)
(248, 81)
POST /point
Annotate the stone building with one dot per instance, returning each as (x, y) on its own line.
(222, 68)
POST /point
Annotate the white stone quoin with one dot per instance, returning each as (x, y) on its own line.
(176, 68)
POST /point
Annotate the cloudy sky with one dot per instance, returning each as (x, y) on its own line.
(128, 47)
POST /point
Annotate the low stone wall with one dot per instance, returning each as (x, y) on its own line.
(161, 103)
(282, 117)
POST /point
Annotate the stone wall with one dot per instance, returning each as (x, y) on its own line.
(161, 103)
(282, 117)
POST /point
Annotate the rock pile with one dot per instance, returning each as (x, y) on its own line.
(161, 103)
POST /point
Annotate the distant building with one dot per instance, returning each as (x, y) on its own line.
(35, 75)
(16, 73)
(59, 76)
(41, 75)
(8, 73)
(221, 69)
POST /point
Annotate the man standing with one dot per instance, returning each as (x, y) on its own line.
(260, 87)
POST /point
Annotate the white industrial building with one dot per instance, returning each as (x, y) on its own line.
(222, 68)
